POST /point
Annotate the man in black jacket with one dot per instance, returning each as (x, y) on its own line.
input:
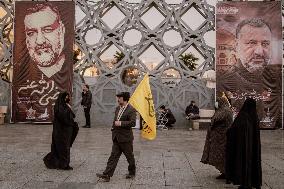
(192, 111)
(122, 137)
(169, 116)
(87, 103)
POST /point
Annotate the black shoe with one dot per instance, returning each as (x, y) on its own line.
(86, 126)
(128, 176)
(50, 167)
(228, 181)
(244, 187)
(105, 178)
(68, 168)
(222, 176)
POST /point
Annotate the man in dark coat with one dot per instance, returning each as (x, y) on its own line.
(243, 150)
(192, 111)
(122, 137)
(64, 132)
(169, 116)
(87, 103)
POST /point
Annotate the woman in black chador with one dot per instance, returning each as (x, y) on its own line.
(243, 150)
(65, 130)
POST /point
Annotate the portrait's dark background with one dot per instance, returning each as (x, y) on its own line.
(228, 16)
(40, 92)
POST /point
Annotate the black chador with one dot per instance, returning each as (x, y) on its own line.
(243, 151)
(64, 132)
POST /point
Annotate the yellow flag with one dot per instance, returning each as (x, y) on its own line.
(142, 101)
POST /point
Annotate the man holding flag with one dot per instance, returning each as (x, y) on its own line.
(122, 137)
(124, 120)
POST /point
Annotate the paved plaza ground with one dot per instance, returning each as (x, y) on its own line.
(171, 161)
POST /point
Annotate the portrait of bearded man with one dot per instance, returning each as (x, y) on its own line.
(45, 38)
(253, 73)
(43, 57)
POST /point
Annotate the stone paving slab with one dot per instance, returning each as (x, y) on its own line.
(11, 184)
(148, 176)
(75, 185)
(112, 186)
(40, 185)
(274, 161)
(179, 159)
(24, 172)
(272, 177)
(151, 160)
(145, 186)
(172, 161)
(181, 177)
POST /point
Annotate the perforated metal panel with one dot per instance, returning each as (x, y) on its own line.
(97, 31)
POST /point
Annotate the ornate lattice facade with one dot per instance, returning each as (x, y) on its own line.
(173, 83)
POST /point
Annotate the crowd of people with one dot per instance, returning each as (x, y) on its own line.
(232, 145)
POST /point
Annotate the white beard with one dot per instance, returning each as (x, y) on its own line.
(44, 59)
(253, 68)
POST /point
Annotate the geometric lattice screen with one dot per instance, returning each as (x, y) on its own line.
(117, 42)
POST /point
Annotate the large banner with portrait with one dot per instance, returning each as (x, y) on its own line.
(43, 58)
(249, 51)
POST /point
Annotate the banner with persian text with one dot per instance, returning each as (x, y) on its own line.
(249, 57)
(42, 58)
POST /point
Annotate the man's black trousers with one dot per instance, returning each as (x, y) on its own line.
(117, 149)
(87, 116)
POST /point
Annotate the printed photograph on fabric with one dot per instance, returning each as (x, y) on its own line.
(249, 49)
(43, 58)
(45, 38)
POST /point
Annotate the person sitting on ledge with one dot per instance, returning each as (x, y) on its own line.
(192, 111)
(169, 115)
